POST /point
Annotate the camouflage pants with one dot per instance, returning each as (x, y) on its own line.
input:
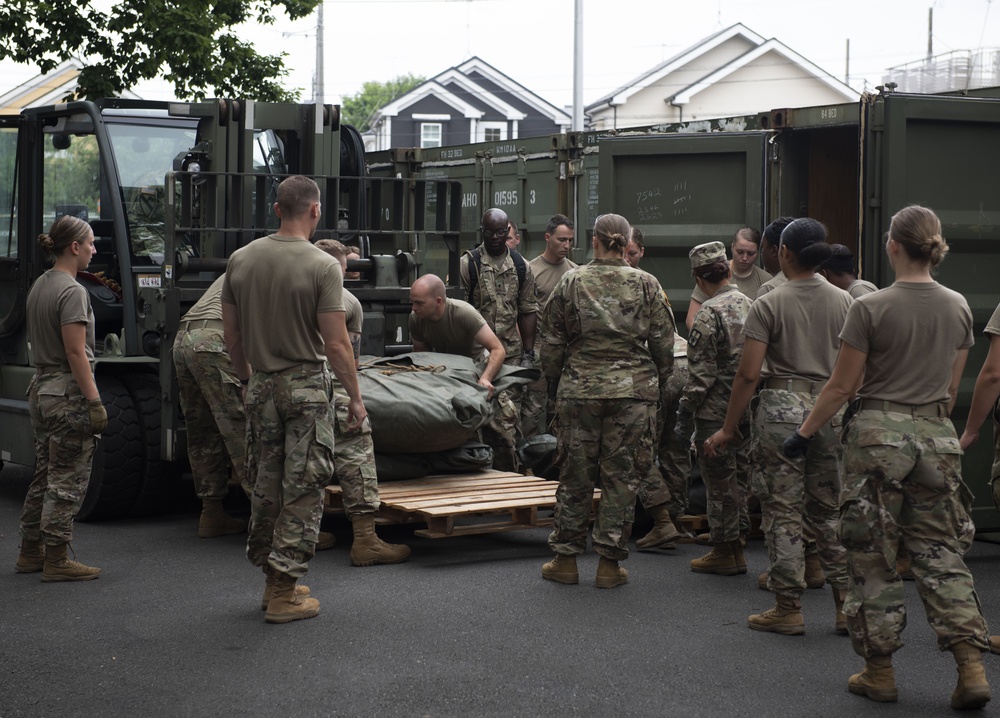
(799, 498)
(64, 450)
(903, 479)
(290, 450)
(667, 482)
(212, 402)
(354, 458)
(726, 483)
(500, 434)
(605, 444)
(535, 409)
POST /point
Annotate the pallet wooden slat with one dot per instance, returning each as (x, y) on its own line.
(448, 503)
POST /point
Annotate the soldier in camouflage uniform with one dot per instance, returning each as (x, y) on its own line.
(212, 402)
(664, 491)
(284, 314)
(906, 345)
(608, 339)
(354, 455)
(510, 308)
(794, 333)
(715, 346)
(64, 404)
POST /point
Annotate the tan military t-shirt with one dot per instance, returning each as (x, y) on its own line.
(55, 299)
(210, 304)
(859, 288)
(747, 285)
(800, 322)
(453, 333)
(993, 325)
(771, 284)
(911, 332)
(279, 285)
(355, 314)
(547, 275)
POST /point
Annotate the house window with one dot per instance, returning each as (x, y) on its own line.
(492, 132)
(430, 134)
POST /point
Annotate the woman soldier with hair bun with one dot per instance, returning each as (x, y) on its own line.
(792, 333)
(715, 346)
(65, 406)
(608, 338)
(906, 347)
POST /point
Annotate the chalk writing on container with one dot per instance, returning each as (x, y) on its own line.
(681, 200)
(648, 205)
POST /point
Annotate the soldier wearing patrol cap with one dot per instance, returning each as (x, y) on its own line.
(715, 346)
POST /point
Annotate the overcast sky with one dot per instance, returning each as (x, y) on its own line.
(532, 40)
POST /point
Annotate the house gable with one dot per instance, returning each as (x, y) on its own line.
(733, 72)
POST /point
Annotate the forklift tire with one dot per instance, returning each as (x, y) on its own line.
(158, 488)
(116, 475)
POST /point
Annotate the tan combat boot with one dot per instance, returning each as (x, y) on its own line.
(815, 578)
(286, 604)
(368, 549)
(31, 559)
(877, 681)
(762, 582)
(685, 535)
(610, 574)
(995, 644)
(738, 558)
(215, 522)
(58, 568)
(561, 569)
(269, 579)
(720, 561)
(325, 541)
(840, 621)
(663, 533)
(972, 690)
(785, 618)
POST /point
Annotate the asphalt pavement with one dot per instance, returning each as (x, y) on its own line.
(466, 627)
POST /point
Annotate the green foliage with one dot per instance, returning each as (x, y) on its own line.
(357, 109)
(192, 43)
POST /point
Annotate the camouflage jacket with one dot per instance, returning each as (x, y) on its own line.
(715, 346)
(608, 333)
(499, 299)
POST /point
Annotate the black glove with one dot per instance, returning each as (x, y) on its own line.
(684, 427)
(796, 445)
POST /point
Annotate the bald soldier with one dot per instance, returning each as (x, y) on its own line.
(451, 326)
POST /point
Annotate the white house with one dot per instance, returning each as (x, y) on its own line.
(734, 72)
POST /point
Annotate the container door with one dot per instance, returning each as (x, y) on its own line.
(684, 190)
(941, 152)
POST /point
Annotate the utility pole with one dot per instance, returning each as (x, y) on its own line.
(578, 68)
(319, 91)
(930, 33)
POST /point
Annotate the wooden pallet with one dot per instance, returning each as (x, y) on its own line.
(454, 505)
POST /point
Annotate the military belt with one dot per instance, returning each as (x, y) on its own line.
(200, 324)
(57, 369)
(809, 387)
(939, 409)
